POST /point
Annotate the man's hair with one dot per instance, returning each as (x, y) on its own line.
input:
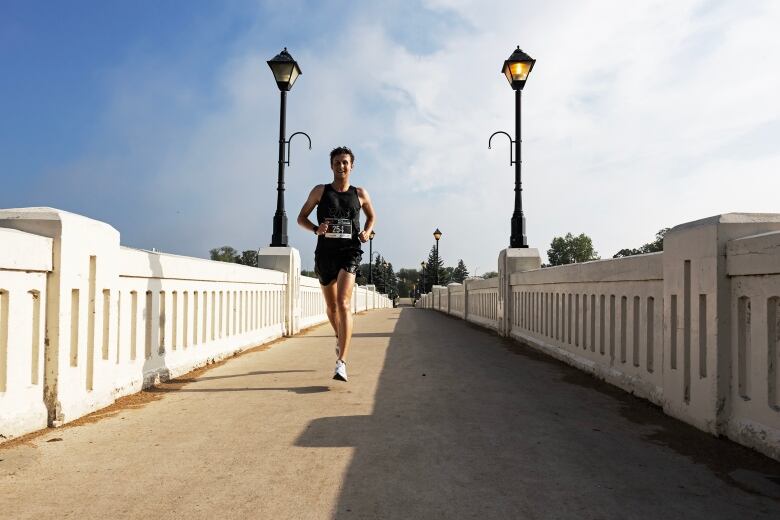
(342, 150)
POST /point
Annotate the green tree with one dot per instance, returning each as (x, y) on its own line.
(407, 282)
(310, 274)
(391, 281)
(460, 272)
(490, 274)
(378, 274)
(434, 266)
(655, 246)
(384, 277)
(248, 257)
(570, 249)
(224, 254)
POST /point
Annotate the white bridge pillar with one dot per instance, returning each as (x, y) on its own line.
(512, 260)
(287, 260)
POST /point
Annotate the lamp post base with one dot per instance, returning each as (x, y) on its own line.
(518, 238)
(279, 236)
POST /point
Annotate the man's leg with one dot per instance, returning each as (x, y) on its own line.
(344, 284)
(331, 308)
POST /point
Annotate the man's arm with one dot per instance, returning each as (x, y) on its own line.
(311, 202)
(368, 209)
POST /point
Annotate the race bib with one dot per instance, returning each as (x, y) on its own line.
(338, 228)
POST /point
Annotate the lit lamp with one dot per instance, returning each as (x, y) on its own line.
(516, 69)
(286, 71)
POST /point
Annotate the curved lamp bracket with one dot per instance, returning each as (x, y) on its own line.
(287, 162)
(511, 142)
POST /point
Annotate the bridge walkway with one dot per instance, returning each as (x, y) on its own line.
(440, 419)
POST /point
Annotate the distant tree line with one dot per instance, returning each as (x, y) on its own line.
(229, 254)
(651, 247)
(383, 277)
(405, 283)
(570, 249)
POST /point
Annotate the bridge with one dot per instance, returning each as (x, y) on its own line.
(137, 383)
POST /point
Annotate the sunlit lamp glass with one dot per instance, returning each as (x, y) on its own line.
(517, 68)
(517, 71)
(285, 70)
(285, 73)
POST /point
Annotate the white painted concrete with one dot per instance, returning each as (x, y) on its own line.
(695, 329)
(25, 261)
(111, 320)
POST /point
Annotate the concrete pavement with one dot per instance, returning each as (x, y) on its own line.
(440, 419)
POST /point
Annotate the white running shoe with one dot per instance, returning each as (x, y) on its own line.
(341, 371)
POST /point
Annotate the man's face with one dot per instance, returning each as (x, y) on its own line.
(341, 166)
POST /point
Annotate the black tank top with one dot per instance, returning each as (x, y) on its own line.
(342, 212)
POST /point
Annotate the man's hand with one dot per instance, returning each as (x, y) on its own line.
(322, 229)
(363, 236)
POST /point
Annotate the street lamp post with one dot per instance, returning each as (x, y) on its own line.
(422, 273)
(286, 71)
(437, 235)
(384, 277)
(516, 69)
(370, 255)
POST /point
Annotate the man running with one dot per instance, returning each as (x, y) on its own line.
(338, 254)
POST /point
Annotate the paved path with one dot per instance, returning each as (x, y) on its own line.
(439, 420)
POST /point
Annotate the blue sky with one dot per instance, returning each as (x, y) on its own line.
(161, 118)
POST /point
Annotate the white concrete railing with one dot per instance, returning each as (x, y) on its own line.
(172, 313)
(440, 298)
(602, 316)
(457, 297)
(753, 264)
(111, 320)
(25, 261)
(695, 329)
(312, 303)
(482, 302)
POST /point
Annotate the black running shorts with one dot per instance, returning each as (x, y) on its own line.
(328, 265)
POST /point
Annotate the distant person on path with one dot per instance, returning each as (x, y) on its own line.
(338, 254)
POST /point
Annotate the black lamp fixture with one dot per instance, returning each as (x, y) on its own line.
(286, 71)
(437, 235)
(516, 69)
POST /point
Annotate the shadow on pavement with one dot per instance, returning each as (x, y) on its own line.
(297, 390)
(464, 428)
(227, 376)
(354, 335)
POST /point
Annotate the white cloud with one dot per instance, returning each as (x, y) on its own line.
(629, 123)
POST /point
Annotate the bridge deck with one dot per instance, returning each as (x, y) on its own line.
(439, 420)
